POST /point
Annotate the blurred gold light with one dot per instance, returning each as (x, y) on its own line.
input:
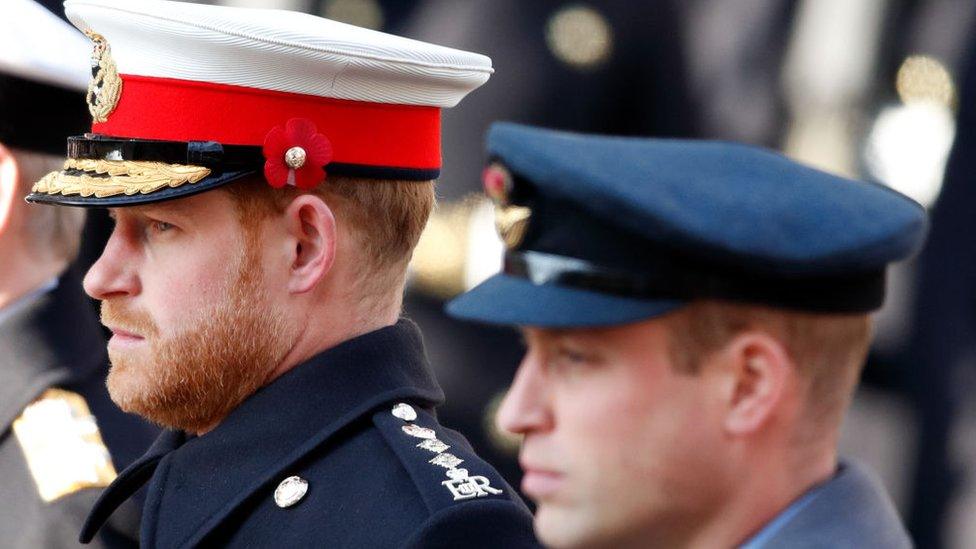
(438, 260)
(458, 249)
(362, 13)
(924, 78)
(579, 36)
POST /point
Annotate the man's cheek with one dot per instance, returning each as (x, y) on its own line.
(183, 289)
(606, 449)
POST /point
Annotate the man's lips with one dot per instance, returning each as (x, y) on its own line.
(124, 337)
(540, 483)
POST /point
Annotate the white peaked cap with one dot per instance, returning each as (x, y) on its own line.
(37, 45)
(278, 50)
(186, 97)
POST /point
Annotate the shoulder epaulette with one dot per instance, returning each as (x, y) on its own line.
(441, 463)
(62, 445)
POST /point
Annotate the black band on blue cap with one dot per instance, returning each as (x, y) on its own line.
(675, 280)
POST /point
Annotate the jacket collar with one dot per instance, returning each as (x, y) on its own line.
(200, 481)
(851, 508)
(49, 339)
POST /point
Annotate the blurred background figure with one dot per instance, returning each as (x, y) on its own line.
(62, 438)
(943, 344)
(867, 89)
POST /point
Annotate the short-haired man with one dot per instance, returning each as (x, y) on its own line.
(61, 437)
(269, 174)
(696, 321)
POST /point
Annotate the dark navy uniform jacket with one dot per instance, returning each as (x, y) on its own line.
(373, 478)
(53, 340)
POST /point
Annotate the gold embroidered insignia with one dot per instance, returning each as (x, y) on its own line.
(62, 445)
(511, 221)
(105, 87)
(104, 178)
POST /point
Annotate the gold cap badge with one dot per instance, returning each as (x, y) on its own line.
(511, 221)
(105, 87)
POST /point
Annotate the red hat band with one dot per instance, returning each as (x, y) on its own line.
(376, 136)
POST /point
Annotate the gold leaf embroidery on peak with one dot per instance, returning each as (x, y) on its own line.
(123, 177)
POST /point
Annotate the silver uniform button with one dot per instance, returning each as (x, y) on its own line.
(290, 491)
(404, 411)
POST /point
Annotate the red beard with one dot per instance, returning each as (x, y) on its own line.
(193, 379)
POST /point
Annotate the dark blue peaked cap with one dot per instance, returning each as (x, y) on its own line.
(623, 229)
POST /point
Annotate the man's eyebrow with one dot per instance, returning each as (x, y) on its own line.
(162, 209)
(541, 336)
(555, 333)
(144, 212)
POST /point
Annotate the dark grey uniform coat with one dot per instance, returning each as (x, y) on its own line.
(852, 510)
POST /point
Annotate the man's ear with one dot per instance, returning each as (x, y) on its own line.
(312, 226)
(9, 185)
(760, 375)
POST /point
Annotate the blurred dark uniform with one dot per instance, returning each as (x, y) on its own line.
(53, 405)
(62, 438)
(944, 340)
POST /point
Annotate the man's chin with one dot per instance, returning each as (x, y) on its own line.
(191, 382)
(554, 528)
(134, 392)
(124, 357)
(124, 386)
(563, 527)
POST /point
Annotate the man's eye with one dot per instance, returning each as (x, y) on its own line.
(161, 226)
(574, 357)
(571, 356)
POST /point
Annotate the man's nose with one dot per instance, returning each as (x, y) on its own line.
(525, 407)
(113, 274)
